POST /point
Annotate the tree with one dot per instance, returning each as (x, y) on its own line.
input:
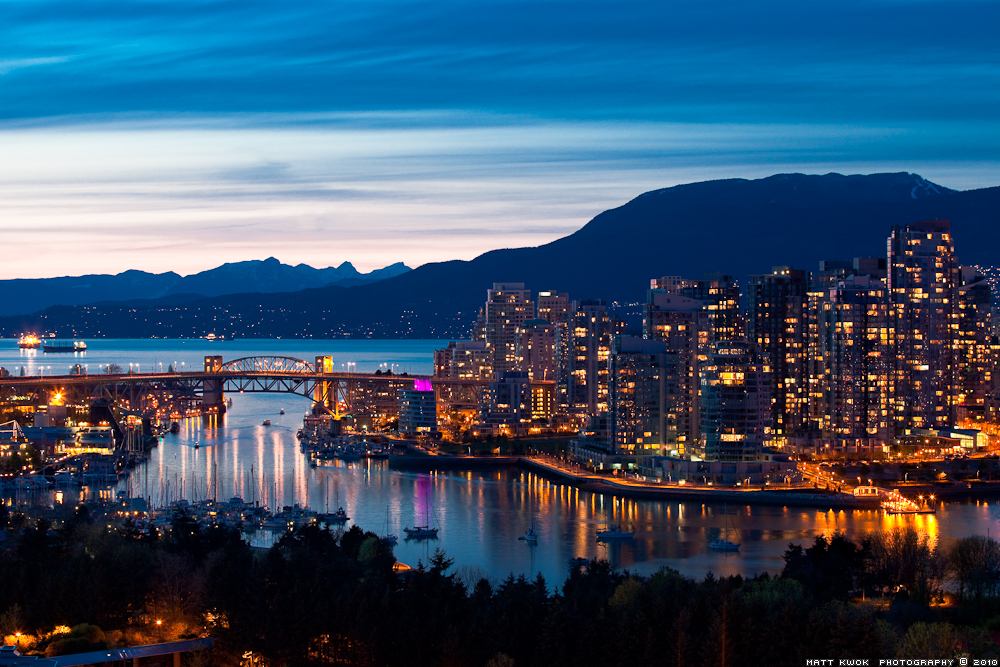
(114, 369)
(974, 561)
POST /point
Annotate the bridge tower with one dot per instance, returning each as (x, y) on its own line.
(211, 394)
(324, 392)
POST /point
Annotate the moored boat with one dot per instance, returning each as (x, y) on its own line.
(614, 533)
(29, 342)
(723, 543)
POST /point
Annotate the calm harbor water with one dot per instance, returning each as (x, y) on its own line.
(482, 513)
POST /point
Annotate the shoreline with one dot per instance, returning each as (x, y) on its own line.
(609, 486)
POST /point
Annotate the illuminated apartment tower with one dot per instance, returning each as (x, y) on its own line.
(776, 322)
(856, 344)
(735, 402)
(508, 307)
(975, 357)
(822, 284)
(639, 371)
(556, 308)
(923, 288)
(464, 360)
(536, 350)
(677, 321)
(589, 352)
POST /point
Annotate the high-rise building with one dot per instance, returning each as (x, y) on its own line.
(589, 352)
(464, 360)
(417, 412)
(975, 357)
(512, 403)
(554, 307)
(821, 285)
(536, 350)
(508, 307)
(677, 321)
(923, 282)
(735, 402)
(777, 314)
(638, 377)
(855, 344)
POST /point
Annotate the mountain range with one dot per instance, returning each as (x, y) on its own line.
(735, 226)
(135, 287)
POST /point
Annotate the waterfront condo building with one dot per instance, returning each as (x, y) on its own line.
(508, 307)
(855, 345)
(639, 372)
(735, 402)
(677, 321)
(556, 308)
(923, 282)
(777, 310)
(417, 412)
(973, 342)
(589, 352)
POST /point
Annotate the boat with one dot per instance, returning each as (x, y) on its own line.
(175, 427)
(29, 342)
(723, 544)
(614, 533)
(281, 411)
(340, 516)
(388, 538)
(61, 346)
(267, 422)
(420, 533)
(424, 532)
(531, 537)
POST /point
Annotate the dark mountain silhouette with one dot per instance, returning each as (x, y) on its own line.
(269, 275)
(734, 226)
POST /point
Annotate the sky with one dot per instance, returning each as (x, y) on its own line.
(175, 136)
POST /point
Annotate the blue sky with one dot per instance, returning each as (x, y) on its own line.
(175, 136)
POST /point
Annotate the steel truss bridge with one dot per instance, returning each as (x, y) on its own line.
(157, 394)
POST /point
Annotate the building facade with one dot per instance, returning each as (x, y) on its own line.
(735, 402)
(923, 282)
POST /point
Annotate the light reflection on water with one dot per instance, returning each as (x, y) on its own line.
(482, 513)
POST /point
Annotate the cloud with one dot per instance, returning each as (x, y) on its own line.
(11, 64)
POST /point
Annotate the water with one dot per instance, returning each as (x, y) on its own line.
(480, 514)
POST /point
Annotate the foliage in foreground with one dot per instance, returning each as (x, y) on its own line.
(320, 598)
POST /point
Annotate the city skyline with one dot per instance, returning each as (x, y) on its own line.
(170, 137)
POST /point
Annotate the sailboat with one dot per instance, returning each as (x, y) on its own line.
(388, 538)
(422, 532)
(531, 537)
(723, 544)
(615, 532)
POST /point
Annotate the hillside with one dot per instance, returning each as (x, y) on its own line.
(734, 226)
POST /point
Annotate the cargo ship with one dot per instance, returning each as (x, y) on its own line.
(62, 346)
(29, 342)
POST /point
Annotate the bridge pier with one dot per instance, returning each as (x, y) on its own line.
(213, 400)
(323, 391)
